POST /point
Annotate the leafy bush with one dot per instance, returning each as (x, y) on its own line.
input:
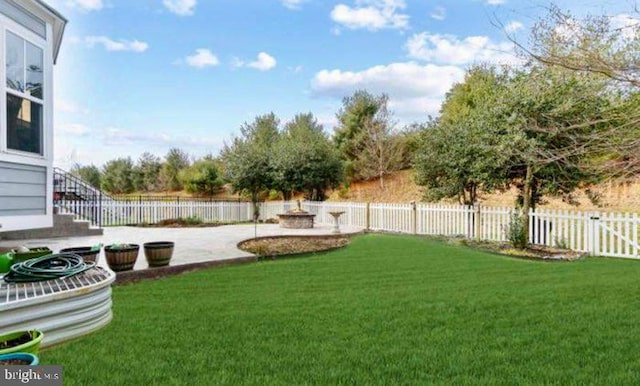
(562, 243)
(274, 195)
(193, 220)
(343, 192)
(515, 231)
(201, 178)
(117, 176)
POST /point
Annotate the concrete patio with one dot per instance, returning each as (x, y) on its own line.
(192, 245)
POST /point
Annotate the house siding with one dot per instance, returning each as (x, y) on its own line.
(23, 189)
(23, 17)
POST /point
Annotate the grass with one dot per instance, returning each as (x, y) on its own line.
(385, 310)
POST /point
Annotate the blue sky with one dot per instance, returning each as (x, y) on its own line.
(148, 75)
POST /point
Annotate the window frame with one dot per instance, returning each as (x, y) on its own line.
(7, 26)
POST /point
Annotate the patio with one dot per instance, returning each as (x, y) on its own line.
(192, 245)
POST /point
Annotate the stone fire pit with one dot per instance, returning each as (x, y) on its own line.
(296, 219)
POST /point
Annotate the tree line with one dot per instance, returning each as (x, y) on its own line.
(150, 173)
(271, 159)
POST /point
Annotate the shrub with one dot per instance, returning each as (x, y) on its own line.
(515, 231)
(193, 220)
(562, 243)
(201, 177)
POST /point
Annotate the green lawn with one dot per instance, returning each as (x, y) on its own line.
(385, 310)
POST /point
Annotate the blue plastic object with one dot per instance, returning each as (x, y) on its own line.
(21, 356)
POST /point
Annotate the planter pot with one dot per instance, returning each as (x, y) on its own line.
(21, 341)
(6, 260)
(19, 358)
(19, 257)
(87, 253)
(121, 259)
(158, 253)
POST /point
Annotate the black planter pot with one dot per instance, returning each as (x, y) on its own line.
(87, 253)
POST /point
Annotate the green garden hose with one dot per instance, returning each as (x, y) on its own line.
(56, 266)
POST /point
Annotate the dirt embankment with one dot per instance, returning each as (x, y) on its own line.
(400, 187)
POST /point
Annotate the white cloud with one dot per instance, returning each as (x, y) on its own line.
(74, 129)
(415, 90)
(513, 26)
(119, 45)
(628, 25)
(438, 13)
(75, 143)
(202, 58)
(237, 62)
(449, 49)
(327, 120)
(568, 30)
(86, 5)
(264, 62)
(181, 7)
(372, 15)
(114, 136)
(495, 2)
(67, 106)
(293, 4)
(296, 69)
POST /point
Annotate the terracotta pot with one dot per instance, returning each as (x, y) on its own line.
(158, 253)
(121, 259)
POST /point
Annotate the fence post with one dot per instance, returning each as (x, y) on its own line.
(100, 209)
(414, 218)
(595, 234)
(367, 217)
(477, 219)
(635, 234)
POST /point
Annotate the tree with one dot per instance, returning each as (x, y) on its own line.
(350, 134)
(381, 151)
(466, 149)
(117, 176)
(305, 160)
(606, 46)
(554, 116)
(247, 159)
(175, 161)
(147, 172)
(90, 174)
(408, 139)
(201, 178)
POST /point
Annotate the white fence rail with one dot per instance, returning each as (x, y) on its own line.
(598, 233)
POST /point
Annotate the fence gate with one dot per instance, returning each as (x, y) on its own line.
(615, 234)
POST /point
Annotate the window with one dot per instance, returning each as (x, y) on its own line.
(24, 76)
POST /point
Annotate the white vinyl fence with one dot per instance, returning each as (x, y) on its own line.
(113, 212)
(598, 233)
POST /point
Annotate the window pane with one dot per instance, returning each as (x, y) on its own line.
(24, 124)
(15, 62)
(35, 64)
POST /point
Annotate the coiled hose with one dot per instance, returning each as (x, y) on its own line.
(56, 266)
